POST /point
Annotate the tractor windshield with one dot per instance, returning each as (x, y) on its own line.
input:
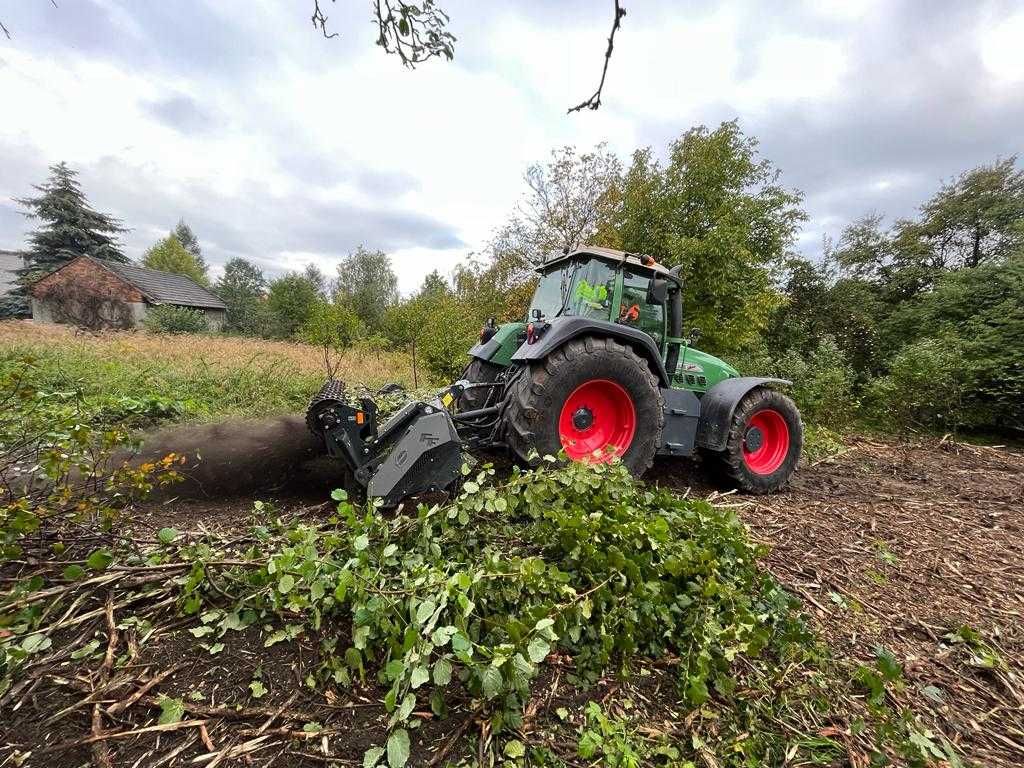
(582, 288)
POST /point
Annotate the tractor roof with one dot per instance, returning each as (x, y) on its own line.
(635, 260)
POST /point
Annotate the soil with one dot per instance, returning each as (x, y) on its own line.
(888, 545)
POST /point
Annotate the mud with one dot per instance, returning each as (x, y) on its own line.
(240, 458)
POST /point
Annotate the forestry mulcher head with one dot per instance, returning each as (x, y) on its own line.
(417, 450)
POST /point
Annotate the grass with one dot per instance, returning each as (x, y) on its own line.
(209, 376)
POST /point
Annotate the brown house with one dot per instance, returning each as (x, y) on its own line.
(94, 293)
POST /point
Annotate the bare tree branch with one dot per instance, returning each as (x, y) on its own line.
(594, 102)
(2, 27)
(320, 21)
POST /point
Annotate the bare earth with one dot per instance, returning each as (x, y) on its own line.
(887, 545)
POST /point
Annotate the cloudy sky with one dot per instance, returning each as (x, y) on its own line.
(285, 148)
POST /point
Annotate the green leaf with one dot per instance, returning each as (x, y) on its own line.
(74, 572)
(538, 650)
(460, 642)
(284, 586)
(514, 749)
(86, 650)
(490, 682)
(373, 755)
(167, 535)
(171, 710)
(340, 494)
(258, 691)
(442, 672)
(424, 611)
(99, 559)
(361, 543)
(407, 706)
(36, 643)
(398, 748)
(470, 487)
(419, 676)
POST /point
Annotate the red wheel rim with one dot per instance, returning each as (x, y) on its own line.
(597, 422)
(765, 442)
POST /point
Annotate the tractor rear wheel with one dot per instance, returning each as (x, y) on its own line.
(594, 398)
(764, 442)
(479, 371)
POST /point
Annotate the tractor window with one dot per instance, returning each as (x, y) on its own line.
(634, 309)
(582, 288)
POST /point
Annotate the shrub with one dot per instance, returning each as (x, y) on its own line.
(822, 380)
(924, 387)
(167, 318)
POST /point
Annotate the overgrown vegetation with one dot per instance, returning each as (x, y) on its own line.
(167, 318)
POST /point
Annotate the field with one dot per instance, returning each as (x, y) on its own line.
(182, 649)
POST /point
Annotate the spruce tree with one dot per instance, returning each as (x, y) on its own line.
(189, 240)
(69, 228)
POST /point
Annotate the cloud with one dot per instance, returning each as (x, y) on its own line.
(182, 113)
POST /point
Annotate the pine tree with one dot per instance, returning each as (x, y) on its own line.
(69, 228)
(189, 240)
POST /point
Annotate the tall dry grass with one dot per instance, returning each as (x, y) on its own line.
(211, 375)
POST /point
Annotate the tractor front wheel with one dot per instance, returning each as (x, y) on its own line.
(594, 398)
(479, 372)
(764, 443)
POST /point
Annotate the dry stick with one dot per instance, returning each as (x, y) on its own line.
(111, 735)
(277, 714)
(100, 750)
(447, 747)
(120, 706)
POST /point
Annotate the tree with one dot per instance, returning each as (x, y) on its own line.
(313, 273)
(190, 242)
(290, 301)
(434, 285)
(332, 327)
(718, 211)
(69, 228)
(241, 287)
(977, 218)
(169, 255)
(367, 284)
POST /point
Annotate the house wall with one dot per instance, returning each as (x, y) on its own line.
(9, 262)
(80, 291)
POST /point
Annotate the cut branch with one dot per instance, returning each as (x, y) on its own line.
(594, 102)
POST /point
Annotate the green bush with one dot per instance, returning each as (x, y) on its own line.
(167, 318)
(822, 380)
(924, 387)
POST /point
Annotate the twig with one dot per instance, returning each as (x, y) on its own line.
(120, 706)
(452, 740)
(277, 714)
(112, 735)
(100, 750)
(594, 102)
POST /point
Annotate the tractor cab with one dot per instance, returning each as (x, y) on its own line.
(627, 290)
(610, 286)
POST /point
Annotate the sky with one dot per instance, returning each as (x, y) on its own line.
(287, 149)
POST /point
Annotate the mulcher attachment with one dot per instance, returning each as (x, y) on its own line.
(415, 451)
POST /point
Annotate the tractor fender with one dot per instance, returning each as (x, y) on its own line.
(718, 405)
(565, 329)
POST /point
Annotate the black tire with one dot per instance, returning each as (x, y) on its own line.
(740, 467)
(536, 394)
(479, 371)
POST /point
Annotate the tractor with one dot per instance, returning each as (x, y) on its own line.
(598, 371)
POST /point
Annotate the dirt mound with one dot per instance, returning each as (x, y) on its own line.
(235, 458)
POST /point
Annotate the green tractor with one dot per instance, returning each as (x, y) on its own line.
(600, 370)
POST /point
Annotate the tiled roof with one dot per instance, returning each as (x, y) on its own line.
(166, 287)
